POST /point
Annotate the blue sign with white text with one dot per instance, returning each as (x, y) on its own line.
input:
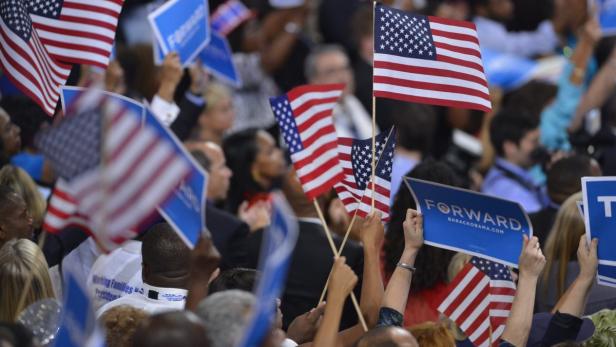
(606, 275)
(607, 16)
(185, 209)
(182, 26)
(600, 215)
(470, 222)
(79, 326)
(69, 93)
(218, 58)
(276, 251)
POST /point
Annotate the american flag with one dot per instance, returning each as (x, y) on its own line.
(304, 116)
(229, 16)
(428, 60)
(24, 59)
(355, 190)
(77, 31)
(116, 177)
(479, 300)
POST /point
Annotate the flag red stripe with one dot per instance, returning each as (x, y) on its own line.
(429, 71)
(439, 102)
(466, 290)
(455, 36)
(51, 71)
(460, 62)
(314, 102)
(311, 88)
(76, 47)
(91, 8)
(431, 86)
(306, 178)
(324, 131)
(323, 188)
(458, 49)
(82, 20)
(312, 120)
(453, 22)
(315, 155)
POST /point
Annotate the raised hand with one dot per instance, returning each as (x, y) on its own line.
(532, 260)
(413, 230)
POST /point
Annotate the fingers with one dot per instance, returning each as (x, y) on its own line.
(316, 313)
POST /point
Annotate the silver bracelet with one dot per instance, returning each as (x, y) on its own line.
(406, 266)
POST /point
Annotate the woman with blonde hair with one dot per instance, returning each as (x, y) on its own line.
(22, 184)
(218, 116)
(562, 267)
(21, 260)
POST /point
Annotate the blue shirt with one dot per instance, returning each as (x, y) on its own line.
(508, 181)
(30, 163)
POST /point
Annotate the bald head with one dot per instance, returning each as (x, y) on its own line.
(177, 328)
(216, 165)
(388, 337)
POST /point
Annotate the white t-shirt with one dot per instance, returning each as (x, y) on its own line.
(153, 300)
(116, 274)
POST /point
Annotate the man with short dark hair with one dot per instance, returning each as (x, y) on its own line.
(15, 220)
(515, 138)
(563, 180)
(165, 273)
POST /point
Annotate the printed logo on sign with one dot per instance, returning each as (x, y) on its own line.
(184, 33)
(470, 215)
(188, 196)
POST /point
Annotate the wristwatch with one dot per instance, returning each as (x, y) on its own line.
(292, 28)
(406, 266)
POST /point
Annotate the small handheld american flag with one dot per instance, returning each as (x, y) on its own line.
(428, 60)
(304, 116)
(77, 31)
(229, 16)
(114, 170)
(355, 190)
(25, 60)
(479, 300)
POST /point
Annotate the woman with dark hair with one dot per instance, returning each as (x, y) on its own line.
(430, 278)
(258, 166)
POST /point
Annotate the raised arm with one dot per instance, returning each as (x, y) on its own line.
(372, 234)
(204, 262)
(397, 292)
(342, 282)
(531, 264)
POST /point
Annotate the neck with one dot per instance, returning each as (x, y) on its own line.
(163, 281)
(207, 134)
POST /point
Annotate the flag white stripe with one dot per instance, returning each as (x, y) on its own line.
(61, 204)
(314, 96)
(315, 166)
(57, 74)
(502, 298)
(485, 325)
(477, 311)
(308, 151)
(9, 70)
(313, 129)
(503, 284)
(457, 55)
(310, 112)
(76, 53)
(428, 64)
(483, 283)
(458, 289)
(109, 5)
(453, 29)
(324, 177)
(382, 87)
(454, 42)
(65, 25)
(500, 313)
(449, 81)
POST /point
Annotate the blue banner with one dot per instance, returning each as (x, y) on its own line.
(69, 93)
(600, 215)
(276, 251)
(607, 16)
(469, 222)
(606, 275)
(506, 71)
(78, 327)
(185, 209)
(182, 26)
(218, 58)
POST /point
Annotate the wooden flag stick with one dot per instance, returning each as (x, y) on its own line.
(360, 316)
(346, 237)
(373, 112)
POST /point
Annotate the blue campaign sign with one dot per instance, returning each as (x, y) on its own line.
(182, 26)
(606, 275)
(607, 16)
(469, 222)
(78, 327)
(276, 251)
(506, 71)
(218, 58)
(185, 209)
(68, 94)
(599, 195)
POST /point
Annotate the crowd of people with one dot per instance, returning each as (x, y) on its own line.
(541, 138)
